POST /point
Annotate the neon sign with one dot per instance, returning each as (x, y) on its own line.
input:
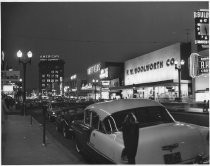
(94, 69)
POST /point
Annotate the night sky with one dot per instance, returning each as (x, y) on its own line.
(84, 33)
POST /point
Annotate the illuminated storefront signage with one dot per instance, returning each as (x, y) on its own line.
(105, 83)
(203, 63)
(104, 73)
(198, 65)
(73, 77)
(202, 28)
(94, 69)
(151, 66)
(49, 57)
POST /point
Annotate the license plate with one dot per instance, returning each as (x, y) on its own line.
(172, 158)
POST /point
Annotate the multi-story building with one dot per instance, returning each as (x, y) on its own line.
(100, 77)
(51, 74)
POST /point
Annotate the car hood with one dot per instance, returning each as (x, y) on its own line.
(154, 142)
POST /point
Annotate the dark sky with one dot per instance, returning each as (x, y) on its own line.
(84, 33)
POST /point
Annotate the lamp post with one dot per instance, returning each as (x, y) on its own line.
(178, 66)
(94, 83)
(24, 60)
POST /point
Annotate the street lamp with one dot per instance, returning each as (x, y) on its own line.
(24, 60)
(178, 66)
(94, 83)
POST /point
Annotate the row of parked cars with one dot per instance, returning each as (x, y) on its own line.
(64, 114)
(97, 132)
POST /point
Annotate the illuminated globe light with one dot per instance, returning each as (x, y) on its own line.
(19, 54)
(29, 54)
(182, 62)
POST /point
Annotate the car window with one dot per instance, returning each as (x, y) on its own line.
(87, 117)
(95, 121)
(110, 125)
(146, 116)
(101, 127)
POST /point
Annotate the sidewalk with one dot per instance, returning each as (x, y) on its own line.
(22, 145)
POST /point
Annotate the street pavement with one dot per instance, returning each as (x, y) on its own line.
(22, 144)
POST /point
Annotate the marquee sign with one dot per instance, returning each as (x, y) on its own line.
(202, 28)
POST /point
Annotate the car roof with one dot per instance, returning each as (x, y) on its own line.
(104, 109)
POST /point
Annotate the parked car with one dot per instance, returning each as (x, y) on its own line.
(162, 140)
(52, 111)
(65, 118)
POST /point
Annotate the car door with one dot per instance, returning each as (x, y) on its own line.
(101, 139)
(83, 136)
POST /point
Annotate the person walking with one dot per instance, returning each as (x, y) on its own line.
(130, 130)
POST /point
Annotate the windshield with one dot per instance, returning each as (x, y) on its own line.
(146, 116)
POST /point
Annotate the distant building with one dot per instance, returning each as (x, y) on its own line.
(51, 74)
(101, 77)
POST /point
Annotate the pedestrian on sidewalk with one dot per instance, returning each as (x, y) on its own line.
(130, 131)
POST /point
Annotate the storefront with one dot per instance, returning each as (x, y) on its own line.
(99, 78)
(154, 75)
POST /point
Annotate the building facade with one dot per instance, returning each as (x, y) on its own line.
(51, 75)
(154, 75)
(99, 78)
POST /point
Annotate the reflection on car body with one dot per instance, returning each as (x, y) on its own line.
(162, 140)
